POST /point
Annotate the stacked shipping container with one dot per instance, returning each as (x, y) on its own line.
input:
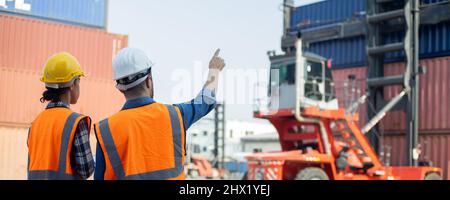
(349, 57)
(349, 52)
(434, 114)
(25, 44)
(434, 94)
(90, 13)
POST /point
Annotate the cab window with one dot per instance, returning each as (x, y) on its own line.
(282, 73)
(313, 77)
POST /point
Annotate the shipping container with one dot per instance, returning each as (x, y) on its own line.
(434, 148)
(236, 166)
(13, 152)
(351, 52)
(343, 89)
(344, 53)
(91, 13)
(332, 11)
(21, 90)
(327, 12)
(434, 113)
(27, 43)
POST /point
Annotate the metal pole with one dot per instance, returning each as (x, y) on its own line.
(287, 12)
(216, 136)
(375, 69)
(374, 121)
(223, 135)
(412, 37)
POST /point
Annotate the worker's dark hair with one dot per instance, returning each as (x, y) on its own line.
(141, 86)
(52, 95)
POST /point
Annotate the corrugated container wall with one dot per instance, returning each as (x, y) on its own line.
(20, 91)
(434, 147)
(349, 57)
(27, 43)
(13, 152)
(332, 11)
(92, 13)
(350, 52)
(326, 12)
(434, 110)
(434, 95)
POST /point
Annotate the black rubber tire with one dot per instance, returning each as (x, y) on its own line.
(312, 173)
(245, 176)
(432, 177)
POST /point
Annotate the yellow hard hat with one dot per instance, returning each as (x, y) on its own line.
(61, 70)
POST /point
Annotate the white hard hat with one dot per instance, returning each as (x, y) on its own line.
(131, 67)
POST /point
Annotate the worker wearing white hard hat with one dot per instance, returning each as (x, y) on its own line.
(146, 139)
(130, 68)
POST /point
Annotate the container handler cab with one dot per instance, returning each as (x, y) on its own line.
(319, 141)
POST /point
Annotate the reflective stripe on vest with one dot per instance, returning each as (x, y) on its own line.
(116, 163)
(61, 173)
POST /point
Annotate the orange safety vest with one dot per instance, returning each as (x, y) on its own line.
(144, 143)
(50, 142)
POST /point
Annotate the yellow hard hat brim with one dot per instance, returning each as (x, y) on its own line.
(75, 75)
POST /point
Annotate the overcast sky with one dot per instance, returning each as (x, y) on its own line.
(180, 35)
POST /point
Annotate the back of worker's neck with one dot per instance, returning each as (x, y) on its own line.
(132, 97)
(65, 98)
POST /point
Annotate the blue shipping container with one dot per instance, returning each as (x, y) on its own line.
(236, 166)
(332, 11)
(351, 52)
(327, 12)
(91, 13)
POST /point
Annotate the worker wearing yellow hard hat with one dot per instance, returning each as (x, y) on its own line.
(146, 139)
(58, 140)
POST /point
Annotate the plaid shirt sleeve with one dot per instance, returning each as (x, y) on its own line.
(81, 157)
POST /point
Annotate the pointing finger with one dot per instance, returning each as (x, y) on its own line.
(217, 53)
